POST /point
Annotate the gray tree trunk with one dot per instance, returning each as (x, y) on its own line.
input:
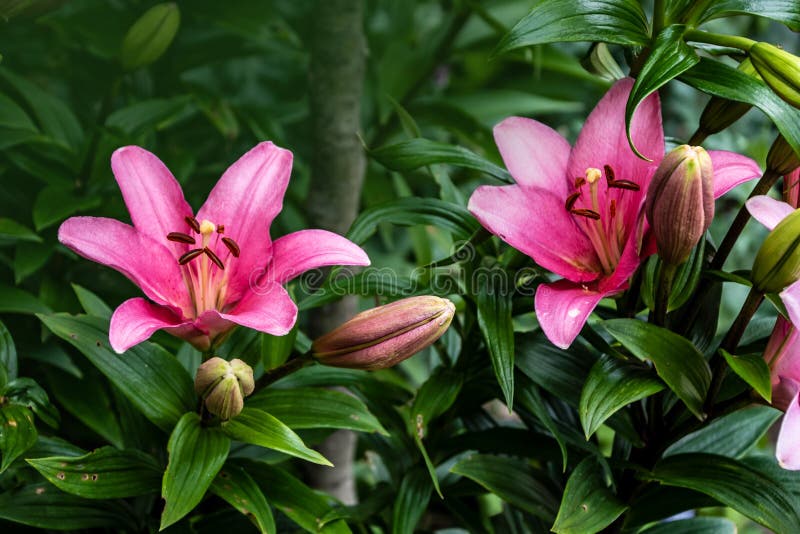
(337, 173)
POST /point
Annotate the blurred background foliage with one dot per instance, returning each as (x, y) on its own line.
(235, 74)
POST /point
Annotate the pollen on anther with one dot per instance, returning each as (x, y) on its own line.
(232, 246)
(609, 173)
(220, 228)
(180, 237)
(579, 181)
(214, 258)
(625, 184)
(192, 222)
(189, 256)
(589, 214)
(571, 200)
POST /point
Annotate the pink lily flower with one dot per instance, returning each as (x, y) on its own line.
(578, 211)
(783, 348)
(203, 274)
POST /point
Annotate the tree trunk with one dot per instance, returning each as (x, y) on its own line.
(337, 174)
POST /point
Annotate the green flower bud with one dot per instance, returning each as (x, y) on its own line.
(386, 335)
(777, 264)
(779, 69)
(720, 113)
(680, 202)
(150, 36)
(223, 386)
(782, 159)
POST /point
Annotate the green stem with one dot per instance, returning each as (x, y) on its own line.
(666, 274)
(729, 344)
(762, 187)
(719, 39)
(273, 375)
(658, 16)
(698, 137)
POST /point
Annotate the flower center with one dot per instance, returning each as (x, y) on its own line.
(206, 278)
(597, 214)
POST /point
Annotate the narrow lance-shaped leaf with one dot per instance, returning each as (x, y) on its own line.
(677, 361)
(17, 433)
(105, 473)
(752, 369)
(670, 57)
(411, 502)
(783, 11)
(8, 353)
(196, 454)
(494, 319)
(620, 21)
(588, 505)
(240, 491)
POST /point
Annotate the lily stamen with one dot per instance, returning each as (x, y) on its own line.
(189, 256)
(180, 237)
(192, 222)
(589, 214)
(571, 199)
(231, 246)
(214, 258)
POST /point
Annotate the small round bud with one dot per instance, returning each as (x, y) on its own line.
(223, 386)
(779, 69)
(680, 202)
(777, 264)
(386, 335)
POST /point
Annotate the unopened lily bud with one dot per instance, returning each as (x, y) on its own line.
(720, 113)
(223, 386)
(680, 202)
(150, 36)
(777, 264)
(781, 158)
(779, 69)
(386, 335)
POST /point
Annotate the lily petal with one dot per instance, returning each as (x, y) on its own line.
(246, 200)
(730, 170)
(603, 140)
(135, 320)
(153, 196)
(791, 300)
(147, 263)
(534, 154)
(562, 309)
(535, 222)
(787, 450)
(296, 253)
(767, 210)
(270, 310)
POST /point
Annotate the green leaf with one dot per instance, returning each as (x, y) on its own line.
(43, 506)
(718, 79)
(695, 525)
(530, 398)
(300, 503)
(8, 353)
(670, 57)
(322, 408)
(54, 116)
(13, 232)
(732, 435)
(149, 115)
(151, 378)
(14, 119)
(196, 454)
(17, 432)
(105, 473)
(15, 300)
(29, 258)
(415, 153)
(551, 21)
(784, 11)
(91, 303)
(734, 484)
(54, 204)
(613, 384)
(494, 320)
(234, 485)
(260, 428)
(88, 401)
(275, 350)
(512, 480)
(676, 360)
(411, 211)
(26, 392)
(753, 370)
(588, 505)
(411, 501)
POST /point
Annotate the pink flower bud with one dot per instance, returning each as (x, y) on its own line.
(680, 202)
(386, 335)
